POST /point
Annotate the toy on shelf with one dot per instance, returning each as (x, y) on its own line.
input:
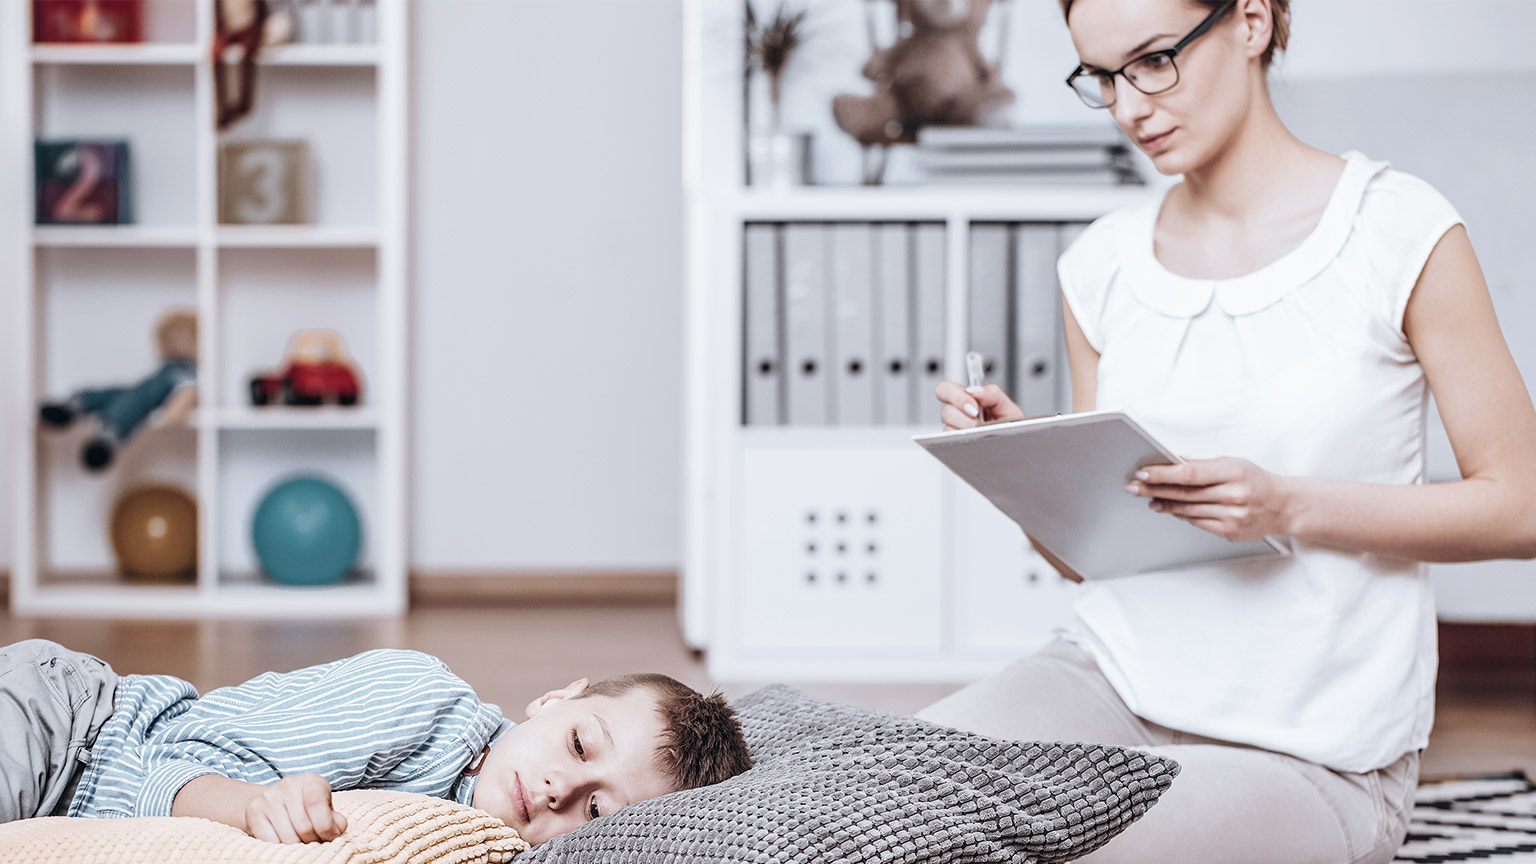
(933, 75)
(154, 533)
(775, 156)
(119, 412)
(82, 182)
(241, 28)
(306, 532)
(87, 21)
(336, 21)
(264, 182)
(316, 370)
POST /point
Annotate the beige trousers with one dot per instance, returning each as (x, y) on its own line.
(1231, 803)
(53, 702)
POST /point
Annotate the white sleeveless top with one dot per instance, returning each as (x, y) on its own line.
(1301, 367)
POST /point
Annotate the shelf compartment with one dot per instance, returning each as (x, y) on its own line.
(249, 596)
(852, 437)
(296, 237)
(116, 236)
(146, 54)
(926, 203)
(99, 309)
(336, 115)
(278, 417)
(105, 594)
(76, 504)
(1007, 599)
(328, 289)
(150, 107)
(300, 54)
(252, 461)
(837, 552)
(163, 22)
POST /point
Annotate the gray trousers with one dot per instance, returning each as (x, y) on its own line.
(1231, 803)
(52, 704)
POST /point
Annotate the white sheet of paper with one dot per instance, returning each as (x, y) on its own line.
(1063, 480)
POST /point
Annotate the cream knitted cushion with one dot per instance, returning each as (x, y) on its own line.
(382, 828)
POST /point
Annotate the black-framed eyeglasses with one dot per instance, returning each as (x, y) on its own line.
(1150, 73)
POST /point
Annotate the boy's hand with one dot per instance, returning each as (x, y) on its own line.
(294, 810)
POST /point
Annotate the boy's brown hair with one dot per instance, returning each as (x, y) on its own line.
(702, 742)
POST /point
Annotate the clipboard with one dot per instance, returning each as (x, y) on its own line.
(1063, 477)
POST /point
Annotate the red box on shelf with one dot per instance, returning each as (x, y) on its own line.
(87, 21)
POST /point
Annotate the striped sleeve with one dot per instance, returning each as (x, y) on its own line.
(383, 719)
(163, 782)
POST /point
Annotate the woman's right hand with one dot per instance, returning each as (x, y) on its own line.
(965, 408)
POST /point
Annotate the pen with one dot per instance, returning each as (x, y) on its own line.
(974, 370)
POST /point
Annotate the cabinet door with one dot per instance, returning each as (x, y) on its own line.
(840, 549)
(1007, 598)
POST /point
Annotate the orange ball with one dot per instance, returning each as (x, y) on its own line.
(154, 533)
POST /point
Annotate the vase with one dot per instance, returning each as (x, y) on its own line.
(779, 159)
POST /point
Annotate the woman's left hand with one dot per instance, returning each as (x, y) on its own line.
(1229, 497)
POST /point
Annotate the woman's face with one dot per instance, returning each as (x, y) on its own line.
(1182, 128)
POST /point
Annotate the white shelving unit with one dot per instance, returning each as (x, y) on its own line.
(102, 287)
(948, 589)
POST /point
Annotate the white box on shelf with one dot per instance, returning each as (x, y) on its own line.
(1007, 599)
(837, 551)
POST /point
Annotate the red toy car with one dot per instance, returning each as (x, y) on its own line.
(316, 371)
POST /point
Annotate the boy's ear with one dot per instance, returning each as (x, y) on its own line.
(554, 696)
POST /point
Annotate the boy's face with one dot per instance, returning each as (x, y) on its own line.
(573, 760)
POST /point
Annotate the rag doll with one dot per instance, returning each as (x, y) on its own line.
(118, 412)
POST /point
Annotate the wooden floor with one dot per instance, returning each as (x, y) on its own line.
(1485, 722)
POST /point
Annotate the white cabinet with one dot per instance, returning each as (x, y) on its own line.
(87, 297)
(1006, 597)
(774, 584)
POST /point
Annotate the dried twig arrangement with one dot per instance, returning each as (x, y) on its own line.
(770, 46)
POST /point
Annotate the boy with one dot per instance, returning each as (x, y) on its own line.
(76, 739)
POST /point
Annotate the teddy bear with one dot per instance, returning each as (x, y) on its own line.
(119, 411)
(933, 75)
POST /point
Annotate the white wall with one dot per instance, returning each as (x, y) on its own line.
(547, 251)
(10, 417)
(548, 298)
(478, 505)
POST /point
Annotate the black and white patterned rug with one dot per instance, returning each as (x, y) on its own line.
(1492, 819)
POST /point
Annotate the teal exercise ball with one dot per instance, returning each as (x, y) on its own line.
(306, 532)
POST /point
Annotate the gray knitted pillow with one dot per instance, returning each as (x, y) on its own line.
(836, 783)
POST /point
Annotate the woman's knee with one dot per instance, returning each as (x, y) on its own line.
(1238, 804)
(1055, 694)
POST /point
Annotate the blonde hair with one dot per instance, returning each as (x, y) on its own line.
(1279, 34)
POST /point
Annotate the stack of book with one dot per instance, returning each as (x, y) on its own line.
(1055, 155)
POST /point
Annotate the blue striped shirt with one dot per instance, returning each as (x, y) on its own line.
(380, 720)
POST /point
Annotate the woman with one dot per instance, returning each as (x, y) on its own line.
(1285, 311)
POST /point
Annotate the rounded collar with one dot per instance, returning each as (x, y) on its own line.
(1178, 296)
